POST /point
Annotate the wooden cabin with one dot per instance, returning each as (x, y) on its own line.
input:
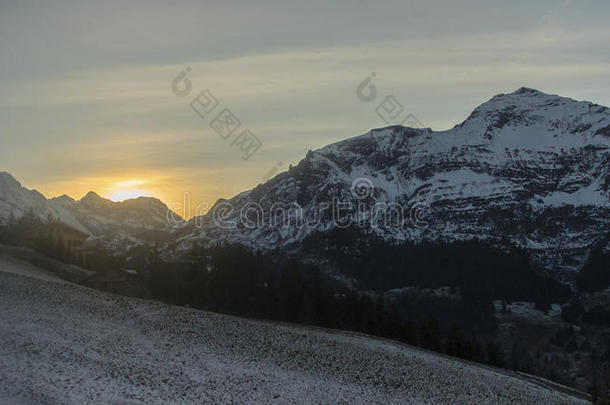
(59, 237)
(118, 281)
(70, 239)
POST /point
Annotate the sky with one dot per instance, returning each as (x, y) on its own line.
(92, 99)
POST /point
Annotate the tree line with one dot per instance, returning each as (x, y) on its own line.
(234, 280)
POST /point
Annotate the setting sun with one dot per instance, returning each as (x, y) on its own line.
(126, 190)
(123, 195)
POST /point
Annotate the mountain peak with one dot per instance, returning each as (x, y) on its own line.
(143, 201)
(523, 96)
(7, 179)
(92, 196)
(527, 90)
(527, 107)
(64, 198)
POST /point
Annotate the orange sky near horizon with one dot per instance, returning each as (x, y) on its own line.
(186, 198)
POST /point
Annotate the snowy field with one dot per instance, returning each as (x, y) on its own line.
(62, 343)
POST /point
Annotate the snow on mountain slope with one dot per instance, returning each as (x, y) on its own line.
(112, 222)
(129, 219)
(62, 343)
(16, 200)
(526, 168)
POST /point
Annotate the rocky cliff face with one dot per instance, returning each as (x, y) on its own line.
(525, 169)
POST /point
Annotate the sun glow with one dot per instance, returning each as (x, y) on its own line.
(126, 190)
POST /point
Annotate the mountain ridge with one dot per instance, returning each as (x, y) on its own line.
(518, 160)
(117, 225)
(525, 169)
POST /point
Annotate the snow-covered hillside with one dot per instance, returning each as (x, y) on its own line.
(527, 169)
(62, 343)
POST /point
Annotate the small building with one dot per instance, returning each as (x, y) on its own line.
(57, 238)
(118, 281)
(70, 239)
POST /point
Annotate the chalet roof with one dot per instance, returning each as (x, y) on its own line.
(111, 275)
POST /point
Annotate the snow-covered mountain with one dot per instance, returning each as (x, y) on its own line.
(16, 200)
(119, 220)
(105, 220)
(525, 169)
